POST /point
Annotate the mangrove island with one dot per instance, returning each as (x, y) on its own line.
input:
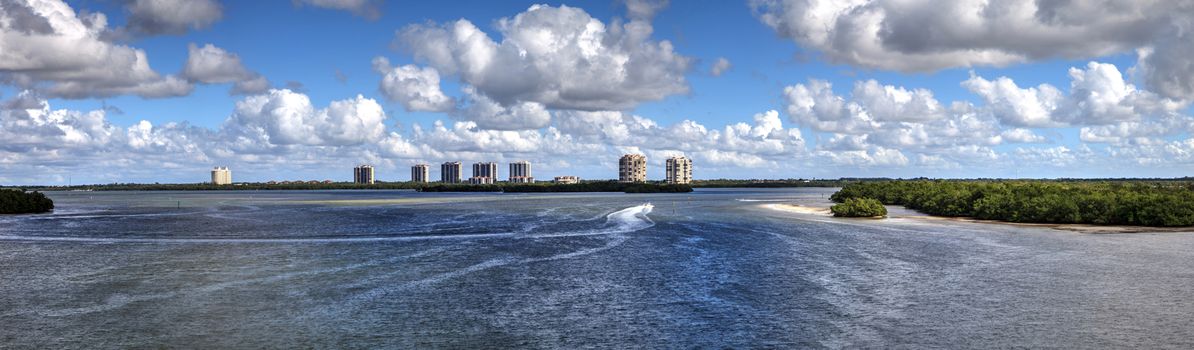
(21, 202)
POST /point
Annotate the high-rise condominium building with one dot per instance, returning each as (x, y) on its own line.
(484, 173)
(362, 174)
(632, 168)
(679, 170)
(221, 176)
(567, 179)
(449, 172)
(520, 172)
(420, 173)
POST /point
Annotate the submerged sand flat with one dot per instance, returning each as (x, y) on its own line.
(799, 209)
(1080, 228)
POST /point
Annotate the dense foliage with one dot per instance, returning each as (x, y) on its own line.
(21, 202)
(859, 207)
(1141, 203)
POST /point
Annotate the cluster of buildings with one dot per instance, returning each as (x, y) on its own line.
(631, 168)
(483, 173)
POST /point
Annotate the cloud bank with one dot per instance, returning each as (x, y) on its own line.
(922, 36)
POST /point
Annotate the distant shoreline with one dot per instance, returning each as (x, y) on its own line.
(583, 186)
(588, 186)
(1079, 228)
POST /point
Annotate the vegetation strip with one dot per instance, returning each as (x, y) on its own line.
(1159, 204)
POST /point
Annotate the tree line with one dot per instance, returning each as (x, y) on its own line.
(1138, 203)
(21, 202)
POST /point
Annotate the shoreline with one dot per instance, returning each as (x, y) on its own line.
(1078, 228)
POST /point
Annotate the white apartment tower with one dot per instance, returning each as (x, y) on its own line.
(632, 168)
(679, 170)
(484, 173)
(363, 174)
(420, 173)
(449, 172)
(520, 172)
(221, 176)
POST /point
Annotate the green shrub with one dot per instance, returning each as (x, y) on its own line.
(21, 202)
(859, 207)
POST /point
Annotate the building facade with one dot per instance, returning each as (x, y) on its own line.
(632, 168)
(420, 173)
(449, 172)
(481, 180)
(520, 172)
(363, 174)
(567, 179)
(679, 170)
(221, 176)
(484, 173)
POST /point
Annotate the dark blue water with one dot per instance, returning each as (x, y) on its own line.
(714, 268)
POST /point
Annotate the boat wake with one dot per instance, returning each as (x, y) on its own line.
(78, 239)
(619, 222)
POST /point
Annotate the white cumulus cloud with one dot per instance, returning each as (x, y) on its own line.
(209, 64)
(417, 89)
(559, 57)
(47, 46)
(919, 36)
(283, 117)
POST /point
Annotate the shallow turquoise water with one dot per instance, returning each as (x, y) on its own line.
(367, 269)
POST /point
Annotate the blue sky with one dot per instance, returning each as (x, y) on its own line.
(285, 90)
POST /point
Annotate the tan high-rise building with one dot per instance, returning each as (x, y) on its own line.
(221, 176)
(484, 173)
(363, 174)
(632, 168)
(679, 170)
(420, 173)
(449, 172)
(520, 172)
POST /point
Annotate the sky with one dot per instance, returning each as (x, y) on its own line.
(147, 91)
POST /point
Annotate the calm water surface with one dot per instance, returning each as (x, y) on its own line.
(714, 268)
